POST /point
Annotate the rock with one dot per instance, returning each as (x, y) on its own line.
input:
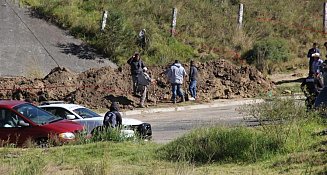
(287, 92)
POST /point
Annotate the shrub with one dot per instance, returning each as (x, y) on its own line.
(283, 126)
(220, 144)
(108, 134)
(100, 134)
(268, 52)
(286, 120)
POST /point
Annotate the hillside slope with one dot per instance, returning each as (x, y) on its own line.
(205, 30)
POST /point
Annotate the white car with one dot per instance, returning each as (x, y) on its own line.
(91, 120)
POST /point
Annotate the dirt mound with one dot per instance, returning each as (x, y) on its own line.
(96, 88)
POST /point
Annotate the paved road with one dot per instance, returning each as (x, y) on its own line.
(167, 126)
(22, 54)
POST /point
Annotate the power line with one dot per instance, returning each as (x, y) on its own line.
(32, 33)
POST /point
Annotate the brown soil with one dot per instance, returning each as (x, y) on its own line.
(96, 88)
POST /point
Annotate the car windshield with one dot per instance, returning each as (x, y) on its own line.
(36, 114)
(86, 113)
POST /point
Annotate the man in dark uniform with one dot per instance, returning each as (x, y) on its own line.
(113, 118)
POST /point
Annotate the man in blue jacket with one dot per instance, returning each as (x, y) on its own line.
(176, 74)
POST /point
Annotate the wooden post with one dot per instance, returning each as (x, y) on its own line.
(173, 23)
(104, 20)
(325, 17)
(240, 17)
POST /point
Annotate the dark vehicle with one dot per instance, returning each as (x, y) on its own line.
(21, 121)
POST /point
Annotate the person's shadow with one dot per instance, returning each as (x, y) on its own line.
(299, 80)
(120, 99)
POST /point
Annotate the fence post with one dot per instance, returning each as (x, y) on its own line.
(104, 20)
(173, 23)
(240, 16)
(325, 17)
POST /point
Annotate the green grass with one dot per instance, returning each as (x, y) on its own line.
(206, 29)
(294, 88)
(286, 142)
(142, 158)
(222, 145)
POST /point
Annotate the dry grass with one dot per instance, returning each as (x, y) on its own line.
(34, 70)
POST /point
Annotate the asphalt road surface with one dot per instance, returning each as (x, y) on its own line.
(30, 45)
(167, 126)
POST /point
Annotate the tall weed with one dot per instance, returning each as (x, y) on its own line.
(286, 120)
(284, 126)
(221, 145)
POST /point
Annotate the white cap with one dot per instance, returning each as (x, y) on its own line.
(145, 69)
(315, 55)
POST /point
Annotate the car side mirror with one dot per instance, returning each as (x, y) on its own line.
(23, 123)
(70, 117)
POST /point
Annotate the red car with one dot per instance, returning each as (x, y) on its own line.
(21, 121)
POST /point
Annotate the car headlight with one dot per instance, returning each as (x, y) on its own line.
(67, 135)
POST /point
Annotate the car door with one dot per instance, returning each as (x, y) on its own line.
(14, 129)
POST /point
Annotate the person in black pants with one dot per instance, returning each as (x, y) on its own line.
(193, 80)
(137, 66)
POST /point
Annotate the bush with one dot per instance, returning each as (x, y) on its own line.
(101, 133)
(285, 120)
(221, 144)
(283, 126)
(268, 52)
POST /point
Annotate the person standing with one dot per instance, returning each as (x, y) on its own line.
(143, 81)
(136, 68)
(311, 53)
(176, 74)
(193, 80)
(316, 64)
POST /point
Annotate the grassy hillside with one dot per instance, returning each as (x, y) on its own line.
(206, 29)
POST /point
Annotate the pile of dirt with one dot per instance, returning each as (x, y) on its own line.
(96, 88)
